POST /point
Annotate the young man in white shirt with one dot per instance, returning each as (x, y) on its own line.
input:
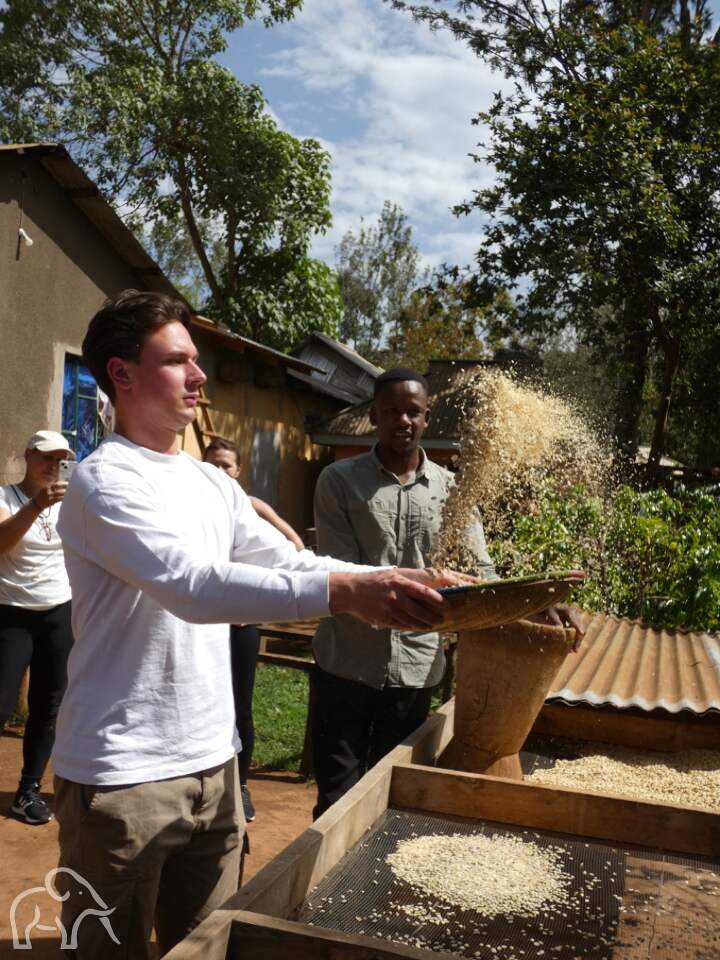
(163, 552)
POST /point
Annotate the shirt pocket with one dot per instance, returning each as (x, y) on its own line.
(374, 524)
(424, 522)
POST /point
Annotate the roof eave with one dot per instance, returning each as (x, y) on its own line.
(240, 344)
(368, 439)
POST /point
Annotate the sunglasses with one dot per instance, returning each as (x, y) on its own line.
(45, 528)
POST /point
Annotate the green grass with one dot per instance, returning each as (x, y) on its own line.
(279, 712)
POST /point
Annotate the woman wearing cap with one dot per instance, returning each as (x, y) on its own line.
(34, 610)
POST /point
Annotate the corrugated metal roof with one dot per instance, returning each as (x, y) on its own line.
(447, 380)
(624, 663)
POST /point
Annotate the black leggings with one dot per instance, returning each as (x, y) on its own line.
(244, 649)
(41, 640)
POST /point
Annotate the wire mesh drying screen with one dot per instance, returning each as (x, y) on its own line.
(622, 902)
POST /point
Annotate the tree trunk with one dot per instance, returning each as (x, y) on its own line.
(671, 362)
(629, 399)
(195, 237)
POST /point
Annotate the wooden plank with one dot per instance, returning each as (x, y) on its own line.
(426, 744)
(282, 885)
(309, 859)
(290, 630)
(283, 881)
(82, 193)
(195, 944)
(686, 916)
(255, 937)
(663, 826)
(286, 660)
(625, 727)
(340, 827)
(669, 911)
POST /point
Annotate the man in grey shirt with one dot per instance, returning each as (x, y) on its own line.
(383, 507)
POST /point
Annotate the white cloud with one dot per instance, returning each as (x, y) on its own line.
(401, 99)
(453, 247)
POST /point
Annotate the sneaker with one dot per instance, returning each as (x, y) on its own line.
(248, 808)
(30, 806)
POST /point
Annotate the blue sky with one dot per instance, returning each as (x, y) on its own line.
(390, 101)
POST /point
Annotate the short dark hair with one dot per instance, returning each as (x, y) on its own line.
(220, 443)
(399, 375)
(121, 326)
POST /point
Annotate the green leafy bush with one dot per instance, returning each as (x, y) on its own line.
(650, 556)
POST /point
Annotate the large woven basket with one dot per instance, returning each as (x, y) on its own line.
(479, 606)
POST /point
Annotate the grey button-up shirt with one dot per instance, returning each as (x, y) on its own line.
(364, 514)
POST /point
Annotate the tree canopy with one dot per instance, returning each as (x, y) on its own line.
(377, 270)
(134, 89)
(605, 214)
(437, 323)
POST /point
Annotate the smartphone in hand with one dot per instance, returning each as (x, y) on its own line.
(66, 469)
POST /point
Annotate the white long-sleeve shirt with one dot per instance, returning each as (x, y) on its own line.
(163, 552)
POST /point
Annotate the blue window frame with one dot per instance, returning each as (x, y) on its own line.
(80, 422)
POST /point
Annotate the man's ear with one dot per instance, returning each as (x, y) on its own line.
(119, 373)
(372, 414)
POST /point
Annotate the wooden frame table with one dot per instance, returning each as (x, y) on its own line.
(260, 918)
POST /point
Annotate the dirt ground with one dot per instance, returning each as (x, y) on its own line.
(282, 800)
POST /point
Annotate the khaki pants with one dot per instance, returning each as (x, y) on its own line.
(163, 854)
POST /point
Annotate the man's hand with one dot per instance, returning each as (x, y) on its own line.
(436, 579)
(47, 496)
(563, 615)
(387, 598)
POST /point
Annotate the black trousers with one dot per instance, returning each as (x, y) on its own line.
(244, 649)
(41, 640)
(353, 726)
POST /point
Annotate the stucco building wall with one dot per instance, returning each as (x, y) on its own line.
(48, 292)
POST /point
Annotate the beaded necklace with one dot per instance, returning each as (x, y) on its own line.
(43, 519)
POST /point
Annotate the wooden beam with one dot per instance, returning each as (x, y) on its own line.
(633, 729)
(663, 826)
(343, 824)
(260, 938)
(285, 660)
(82, 193)
(283, 881)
